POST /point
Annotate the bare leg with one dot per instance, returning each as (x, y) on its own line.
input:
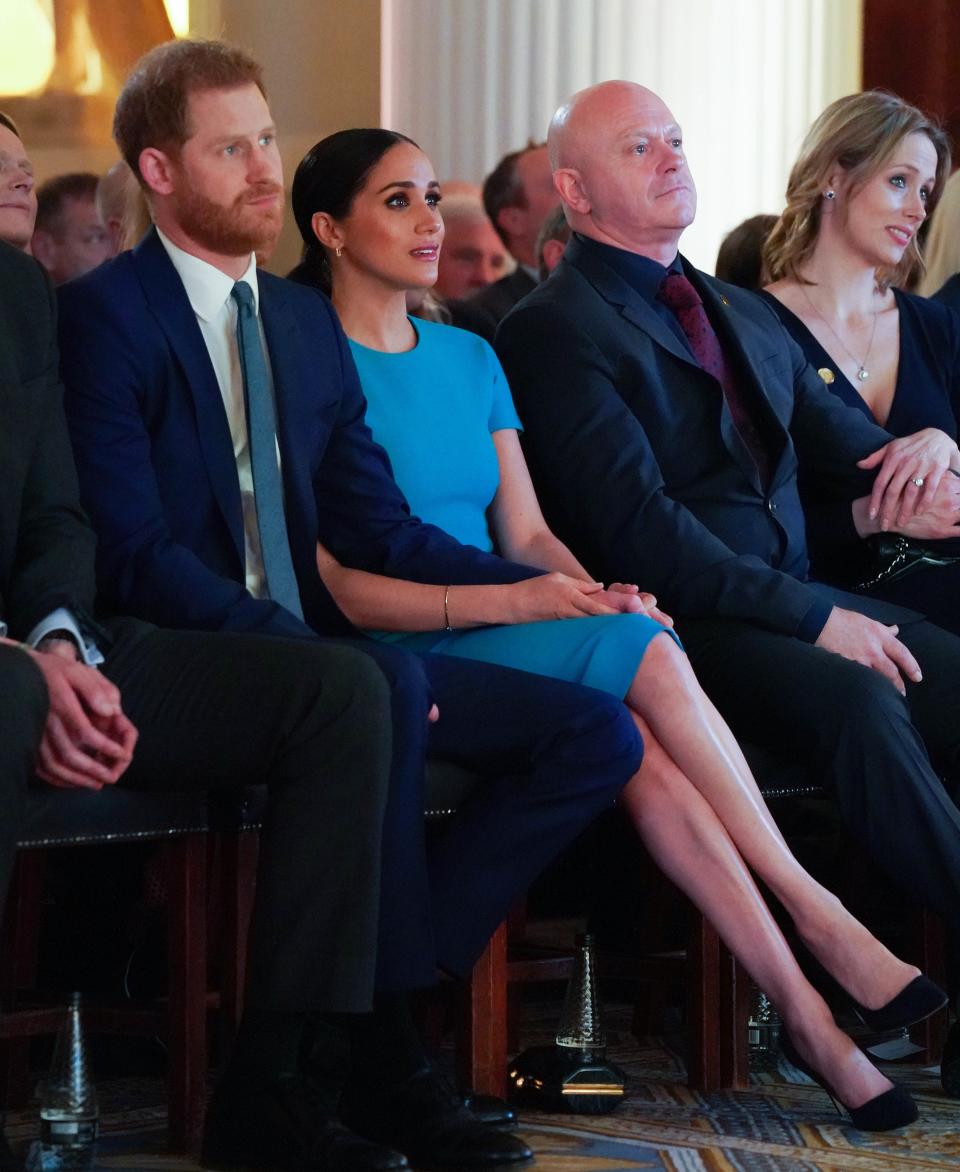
(689, 843)
(666, 694)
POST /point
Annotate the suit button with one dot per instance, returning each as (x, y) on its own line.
(772, 506)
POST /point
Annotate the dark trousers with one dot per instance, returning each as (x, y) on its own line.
(345, 901)
(23, 710)
(311, 721)
(221, 711)
(878, 753)
(551, 756)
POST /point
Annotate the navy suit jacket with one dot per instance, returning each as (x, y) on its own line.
(157, 468)
(637, 461)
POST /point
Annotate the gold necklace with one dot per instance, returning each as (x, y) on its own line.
(862, 373)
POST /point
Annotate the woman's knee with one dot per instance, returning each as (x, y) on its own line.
(665, 664)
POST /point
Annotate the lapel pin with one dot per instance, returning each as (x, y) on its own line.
(826, 374)
(723, 299)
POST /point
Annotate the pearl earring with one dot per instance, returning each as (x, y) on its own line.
(829, 194)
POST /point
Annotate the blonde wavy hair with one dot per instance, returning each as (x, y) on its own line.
(858, 134)
(941, 256)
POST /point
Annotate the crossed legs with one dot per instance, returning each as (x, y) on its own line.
(700, 814)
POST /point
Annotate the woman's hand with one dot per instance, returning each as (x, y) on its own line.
(641, 601)
(911, 469)
(554, 596)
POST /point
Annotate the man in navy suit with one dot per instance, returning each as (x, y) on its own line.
(666, 416)
(176, 356)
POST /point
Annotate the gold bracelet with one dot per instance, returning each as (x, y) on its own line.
(446, 610)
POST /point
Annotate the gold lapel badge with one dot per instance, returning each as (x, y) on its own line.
(723, 299)
(826, 374)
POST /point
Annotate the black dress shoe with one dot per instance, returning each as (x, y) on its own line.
(8, 1161)
(426, 1120)
(950, 1063)
(281, 1128)
(490, 1110)
(913, 1003)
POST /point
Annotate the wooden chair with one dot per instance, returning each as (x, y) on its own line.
(57, 819)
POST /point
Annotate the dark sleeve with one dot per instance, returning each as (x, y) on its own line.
(475, 318)
(142, 569)
(53, 565)
(598, 474)
(364, 518)
(829, 436)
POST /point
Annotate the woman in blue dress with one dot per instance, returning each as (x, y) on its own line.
(868, 173)
(367, 204)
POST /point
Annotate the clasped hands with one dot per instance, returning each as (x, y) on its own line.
(913, 493)
(87, 741)
(560, 596)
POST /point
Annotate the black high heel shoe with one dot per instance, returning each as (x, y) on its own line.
(913, 1003)
(885, 1112)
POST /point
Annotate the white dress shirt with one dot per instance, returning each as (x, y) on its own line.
(209, 293)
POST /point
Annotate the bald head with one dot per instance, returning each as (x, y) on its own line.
(619, 167)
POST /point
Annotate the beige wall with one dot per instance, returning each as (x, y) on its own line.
(321, 62)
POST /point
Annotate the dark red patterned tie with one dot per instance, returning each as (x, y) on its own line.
(680, 297)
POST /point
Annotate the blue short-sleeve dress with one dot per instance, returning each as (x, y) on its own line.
(434, 409)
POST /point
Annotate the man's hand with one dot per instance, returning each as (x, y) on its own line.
(924, 456)
(87, 741)
(866, 641)
(940, 520)
(633, 600)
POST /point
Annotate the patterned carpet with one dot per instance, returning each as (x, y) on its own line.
(783, 1123)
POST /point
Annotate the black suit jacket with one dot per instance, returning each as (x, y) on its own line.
(636, 458)
(46, 546)
(483, 312)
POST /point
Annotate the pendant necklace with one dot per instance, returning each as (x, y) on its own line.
(862, 373)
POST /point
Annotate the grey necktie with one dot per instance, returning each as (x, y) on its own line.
(262, 437)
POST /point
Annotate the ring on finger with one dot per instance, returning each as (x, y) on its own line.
(918, 481)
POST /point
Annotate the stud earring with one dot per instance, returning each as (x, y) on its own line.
(339, 252)
(829, 194)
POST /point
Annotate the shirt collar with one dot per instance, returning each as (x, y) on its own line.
(208, 289)
(642, 274)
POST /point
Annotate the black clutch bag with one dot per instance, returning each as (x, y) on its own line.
(893, 556)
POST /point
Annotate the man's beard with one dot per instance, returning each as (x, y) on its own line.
(234, 230)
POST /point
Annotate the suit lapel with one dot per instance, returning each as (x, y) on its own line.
(287, 366)
(168, 301)
(614, 289)
(636, 310)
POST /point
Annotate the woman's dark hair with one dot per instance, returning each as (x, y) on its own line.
(328, 179)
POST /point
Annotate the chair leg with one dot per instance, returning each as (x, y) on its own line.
(932, 1033)
(703, 1005)
(21, 945)
(187, 959)
(482, 1052)
(734, 1015)
(238, 887)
